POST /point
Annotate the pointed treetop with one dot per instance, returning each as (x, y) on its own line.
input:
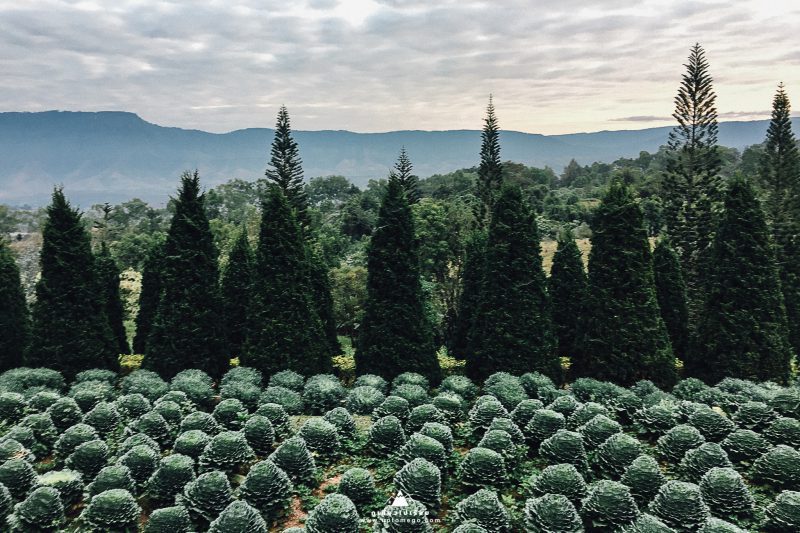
(401, 173)
(286, 168)
(490, 170)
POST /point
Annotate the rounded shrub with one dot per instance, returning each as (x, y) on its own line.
(202, 421)
(170, 411)
(259, 434)
(609, 506)
(323, 392)
(501, 442)
(243, 391)
(725, 493)
(278, 416)
(104, 417)
(343, 421)
(112, 477)
(624, 404)
(711, 424)
(23, 435)
(132, 406)
(644, 478)
(508, 425)
(543, 425)
(783, 514)
(386, 435)
(421, 414)
(320, 436)
(267, 488)
(470, 526)
(72, 438)
(68, 483)
(40, 401)
(231, 414)
(484, 508)
(441, 433)
(242, 374)
(363, 400)
(551, 513)
(422, 446)
(451, 405)
(779, 467)
(288, 379)
(227, 451)
(585, 412)
(754, 415)
(180, 398)
(716, 525)
(207, 496)
(114, 510)
(691, 389)
(482, 468)
(506, 388)
(42, 511)
(744, 446)
(414, 394)
(358, 485)
(43, 430)
(411, 518)
(173, 472)
(239, 516)
(647, 523)
(89, 393)
(97, 374)
(672, 446)
(566, 405)
(597, 430)
(169, 520)
(290, 400)
(335, 513)
(700, 460)
(371, 380)
(564, 446)
(6, 502)
(142, 461)
(89, 458)
(23, 378)
(135, 440)
(18, 476)
(534, 382)
(615, 454)
(294, 458)
(144, 382)
(410, 378)
(461, 385)
(656, 420)
(10, 448)
(784, 430)
(12, 407)
(524, 411)
(786, 401)
(561, 479)
(196, 385)
(154, 426)
(191, 443)
(680, 506)
(393, 406)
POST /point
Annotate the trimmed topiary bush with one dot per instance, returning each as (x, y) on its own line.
(97, 374)
(135, 440)
(414, 394)
(170, 411)
(343, 421)
(227, 451)
(524, 411)
(655, 420)
(644, 478)
(534, 382)
(564, 447)
(700, 460)
(615, 454)
(677, 441)
(441, 433)
(551, 513)
(784, 513)
(290, 400)
(89, 458)
(421, 414)
(725, 493)
(422, 446)
(785, 431)
(561, 479)
(238, 517)
(259, 434)
(278, 416)
(288, 379)
(754, 415)
(112, 477)
(173, 472)
(320, 436)
(410, 378)
(608, 506)
(482, 468)
(206, 497)
(371, 380)
(43, 430)
(114, 510)
(104, 417)
(154, 426)
(711, 424)
(585, 412)
(393, 406)
(411, 518)
(543, 425)
(202, 421)
(40, 401)
(786, 402)
(268, 489)
(196, 385)
(461, 385)
(24, 378)
(144, 382)
(294, 458)
(386, 435)
(483, 508)
(90, 393)
(41, 511)
(132, 406)
(12, 407)
(180, 398)
(358, 485)
(323, 392)
(142, 461)
(72, 438)
(779, 467)
(191, 443)
(691, 389)
(364, 400)
(680, 506)
(68, 483)
(506, 388)
(451, 404)
(744, 446)
(597, 430)
(231, 414)
(566, 405)
(169, 520)
(335, 513)
(242, 374)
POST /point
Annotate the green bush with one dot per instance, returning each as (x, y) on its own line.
(169, 520)
(358, 485)
(245, 392)
(202, 421)
(242, 374)
(470, 527)
(18, 476)
(561, 479)
(227, 451)
(97, 374)
(421, 414)
(72, 438)
(267, 488)
(112, 477)
(40, 401)
(23, 378)
(68, 483)
(343, 421)
(135, 440)
(12, 407)
(691, 389)
(715, 525)
(371, 380)
(10, 449)
(441, 433)
(785, 431)
(393, 406)
(170, 411)
(23, 435)
(592, 390)
(414, 394)
(597, 430)
(154, 426)
(501, 442)
(484, 508)
(104, 417)
(238, 517)
(294, 458)
(142, 461)
(697, 462)
(585, 412)
(711, 424)
(508, 425)
(322, 393)
(89, 393)
(786, 402)
(624, 403)
(410, 378)
(335, 513)
(461, 385)
(451, 404)
(144, 382)
(744, 446)
(422, 446)
(180, 398)
(278, 416)
(363, 400)
(290, 400)
(42, 511)
(6, 502)
(482, 468)
(544, 424)
(288, 379)
(680, 506)
(644, 478)
(43, 430)
(89, 458)
(551, 513)
(754, 415)
(231, 414)
(564, 446)
(647, 523)
(506, 388)
(259, 434)
(173, 472)
(132, 406)
(566, 405)
(114, 510)
(196, 388)
(608, 506)
(783, 515)
(656, 420)
(779, 467)
(206, 497)
(534, 382)
(615, 454)
(386, 435)
(412, 518)
(725, 493)
(677, 441)
(320, 436)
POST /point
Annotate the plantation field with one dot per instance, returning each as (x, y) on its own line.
(285, 453)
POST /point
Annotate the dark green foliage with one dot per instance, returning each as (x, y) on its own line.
(12, 407)
(386, 435)
(107, 273)
(412, 518)
(461, 385)
(786, 402)
(323, 392)
(471, 282)
(227, 451)
(725, 493)
(644, 478)
(544, 424)
(697, 462)
(358, 485)
(395, 406)
(112, 511)
(568, 291)
(267, 488)
(112, 477)
(422, 481)
(277, 415)
(148, 297)
(70, 331)
(422, 414)
(371, 380)
(671, 294)
(207, 496)
(680, 506)
(191, 443)
(744, 446)
(43, 430)
(169, 520)
(524, 411)
(343, 421)
(320, 436)
(514, 333)
(67, 482)
(259, 434)
(285, 167)
(585, 412)
(174, 471)
(715, 525)
(559, 479)
(294, 458)
(42, 400)
(754, 415)
(625, 339)
(88, 458)
(656, 420)
(505, 388)
(394, 335)
(288, 379)
(202, 421)
(231, 414)
(335, 513)
(238, 517)
(470, 526)
(564, 447)
(196, 385)
(690, 389)
(779, 467)
(537, 385)
(14, 319)
(142, 461)
(64, 413)
(169, 411)
(18, 476)
(72, 438)
(711, 424)
(402, 174)
(483, 468)
(507, 425)
(647, 523)
(236, 288)
(10, 448)
(551, 513)
(490, 170)
(242, 391)
(242, 374)
(784, 430)
(422, 446)
(363, 400)
(41, 512)
(139, 439)
(154, 426)
(285, 330)
(484, 508)
(414, 394)
(615, 454)
(608, 506)
(784, 513)
(502, 443)
(320, 286)
(742, 330)
(89, 393)
(566, 405)
(23, 379)
(289, 399)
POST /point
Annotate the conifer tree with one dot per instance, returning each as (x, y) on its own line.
(671, 293)
(471, 282)
(70, 327)
(568, 292)
(624, 337)
(187, 331)
(108, 280)
(322, 300)
(148, 296)
(402, 173)
(742, 330)
(236, 288)
(490, 170)
(780, 177)
(285, 167)
(395, 336)
(14, 320)
(512, 329)
(284, 329)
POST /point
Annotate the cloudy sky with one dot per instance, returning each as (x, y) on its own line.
(380, 65)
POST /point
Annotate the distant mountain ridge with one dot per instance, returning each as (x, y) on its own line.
(113, 156)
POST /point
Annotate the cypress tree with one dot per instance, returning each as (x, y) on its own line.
(187, 331)
(512, 329)
(671, 293)
(148, 297)
(108, 280)
(236, 288)
(471, 281)
(285, 167)
(624, 339)
(14, 321)
(490, 170)
(70, 327)
(284, 329)
(780, 176)
(568, 292)
(320, 286)
(394, 336)
(402, 173)
(742, 330)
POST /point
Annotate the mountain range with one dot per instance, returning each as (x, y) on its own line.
(113, 156)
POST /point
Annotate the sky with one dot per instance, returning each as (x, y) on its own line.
(384, 65)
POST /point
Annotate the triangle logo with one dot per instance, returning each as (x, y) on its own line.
(399, 500)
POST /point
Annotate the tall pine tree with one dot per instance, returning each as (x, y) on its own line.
(187, 331)
(322, 299)
(742, 330)
(671, 292)
(284, 329)
(624, 338)
(108, 280)
(780, 177)
(567, 287)
(236, 287)
(395, 335)
(149, 296)
(14, 320)
(490, 170)
(285, 167)
(512, 329)
(402, 172)
(70, 331)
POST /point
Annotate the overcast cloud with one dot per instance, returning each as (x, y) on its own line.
(368, 65)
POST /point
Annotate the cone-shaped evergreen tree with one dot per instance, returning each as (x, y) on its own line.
(108, 280)
(624, 338)
(148, 297)
(322, 300)
(236, 287)
(780, 176)
(568, 292)
(402, 173)
(490, 170)
(285, 167)
(471, 282)
(395, 336)
(512, 329)
(13, 312)
(284, 329)
(671, 292)
(742, 330)
(70, 327)
(187, 331)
